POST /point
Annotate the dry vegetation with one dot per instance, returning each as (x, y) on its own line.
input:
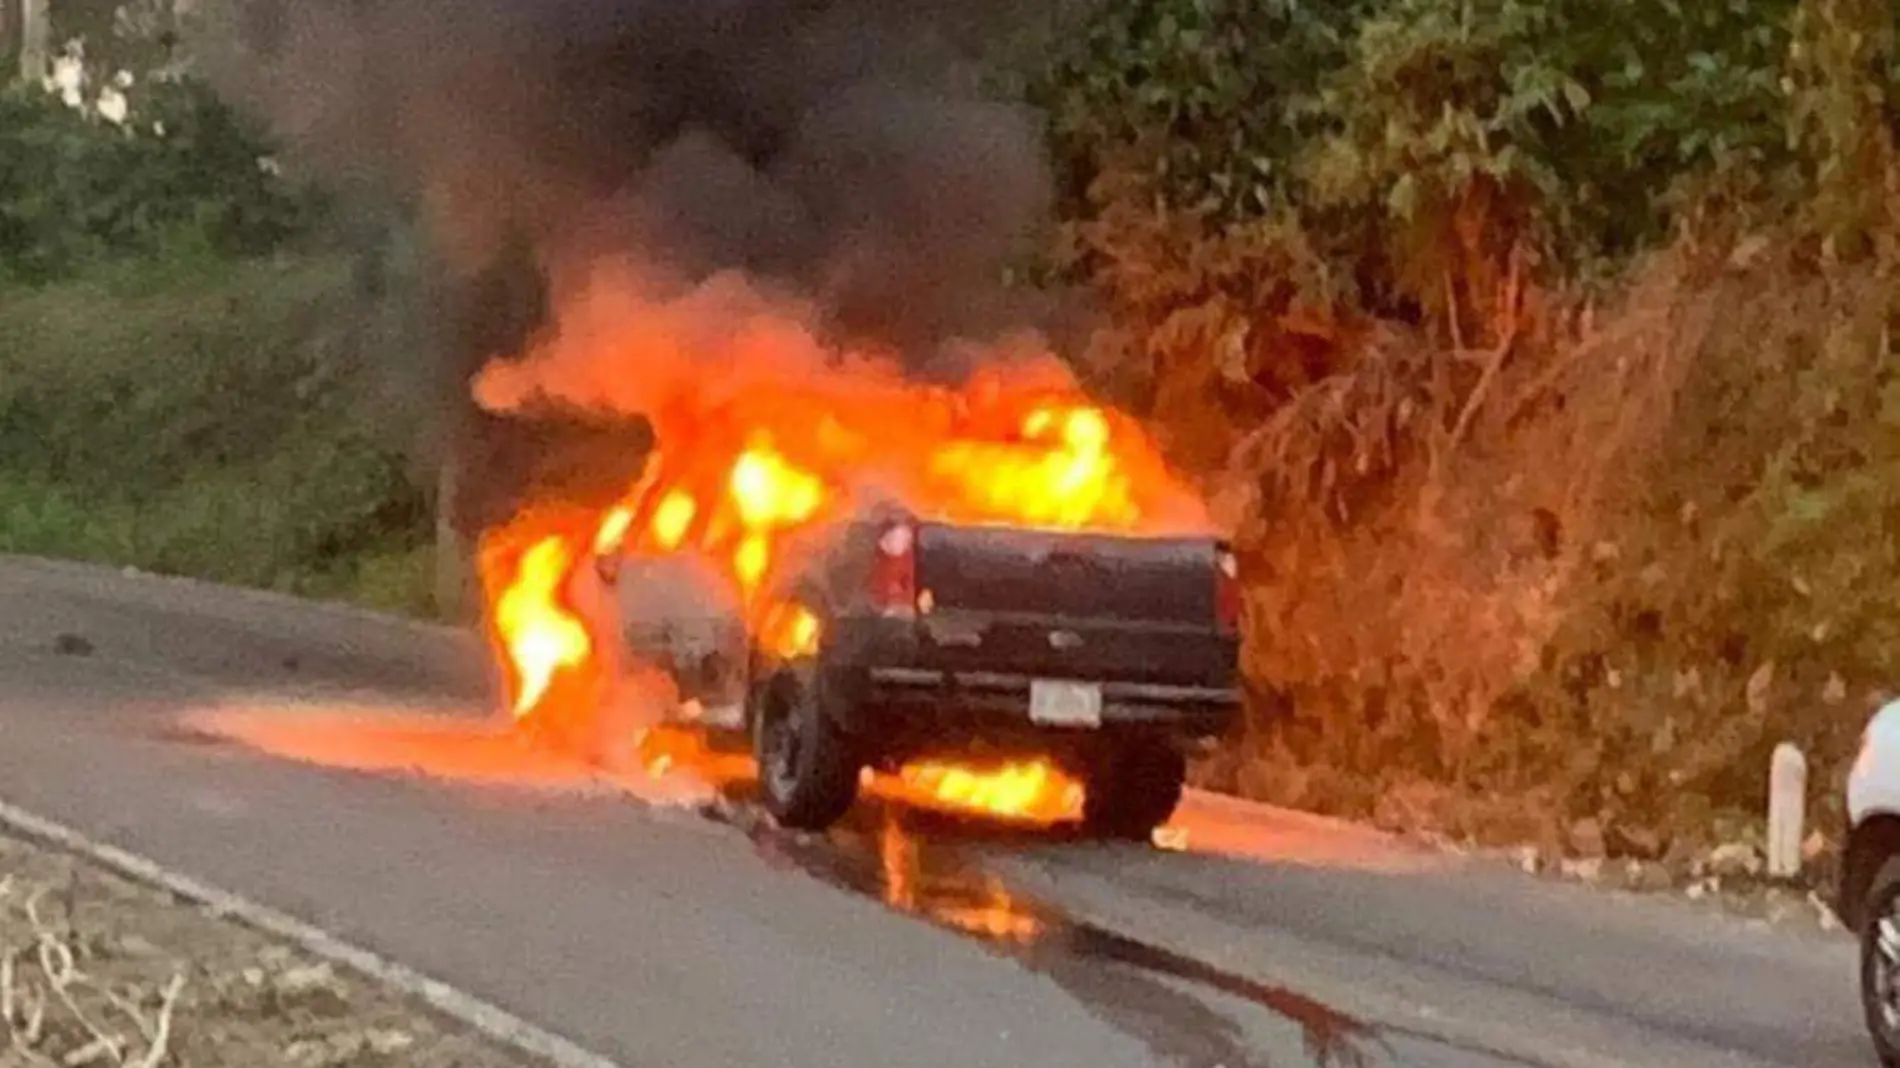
(1573, 587)
(1544, 368)
(99, 971)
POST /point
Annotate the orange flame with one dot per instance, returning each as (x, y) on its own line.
(984, 907)
(1071, 481)
(613, 530)
(1034, 790)
(790, 632)
(769, 491)
(540, 634)
(770, 435)
(671, 519)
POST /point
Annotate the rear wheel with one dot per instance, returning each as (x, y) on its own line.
(807, 772)
(1880, 961)
(1134, 789)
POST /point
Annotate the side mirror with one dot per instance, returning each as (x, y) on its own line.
(608, 569)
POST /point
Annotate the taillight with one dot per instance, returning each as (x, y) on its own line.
(894, 571)
(1227, 590)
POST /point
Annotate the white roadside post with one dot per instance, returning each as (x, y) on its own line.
(1787, 804)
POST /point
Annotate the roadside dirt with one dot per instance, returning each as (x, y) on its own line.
(97, 970)
(1727, 881)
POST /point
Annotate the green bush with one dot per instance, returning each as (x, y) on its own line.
(181, 172)
(188, 382)
(1398, 133)
(220, 420)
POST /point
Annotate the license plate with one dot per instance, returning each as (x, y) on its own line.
(1065, 704)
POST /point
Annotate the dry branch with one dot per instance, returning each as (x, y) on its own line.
(46, 997)
(161, 1039)
(1507, 338)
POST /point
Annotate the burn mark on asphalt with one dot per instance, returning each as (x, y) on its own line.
(882, 855)
(185, 734)
(69, 644)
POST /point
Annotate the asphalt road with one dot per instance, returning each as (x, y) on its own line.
(671, 936)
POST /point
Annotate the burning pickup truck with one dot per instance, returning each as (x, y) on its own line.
(911, 639)
(861, 572)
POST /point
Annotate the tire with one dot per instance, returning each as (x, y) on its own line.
(1133, 790)
(1880, 969)
(808, 776)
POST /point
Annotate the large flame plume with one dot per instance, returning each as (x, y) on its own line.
(767, 435)
(862, 167)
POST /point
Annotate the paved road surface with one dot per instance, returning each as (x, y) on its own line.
(664, 937)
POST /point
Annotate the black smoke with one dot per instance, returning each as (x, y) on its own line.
(842, 151)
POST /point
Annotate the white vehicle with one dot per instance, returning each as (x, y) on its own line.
(1869, 893)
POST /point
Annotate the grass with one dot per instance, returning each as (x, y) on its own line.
(205, 531)
(227, 421)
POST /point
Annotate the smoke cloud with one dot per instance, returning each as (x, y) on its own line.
(839, 150)
(836, 155)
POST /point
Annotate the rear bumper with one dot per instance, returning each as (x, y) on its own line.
(975, 698)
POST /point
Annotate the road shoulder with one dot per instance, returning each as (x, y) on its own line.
(107, 958)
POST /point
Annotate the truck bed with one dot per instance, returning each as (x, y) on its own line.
(1017, 630)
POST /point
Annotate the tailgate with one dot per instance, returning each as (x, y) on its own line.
(1006, 571)
(1073, 605)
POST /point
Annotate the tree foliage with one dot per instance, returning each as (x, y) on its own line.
(1538, 349)
(102, 164)
(189, 380)
(214, 419)
(1378, 121)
